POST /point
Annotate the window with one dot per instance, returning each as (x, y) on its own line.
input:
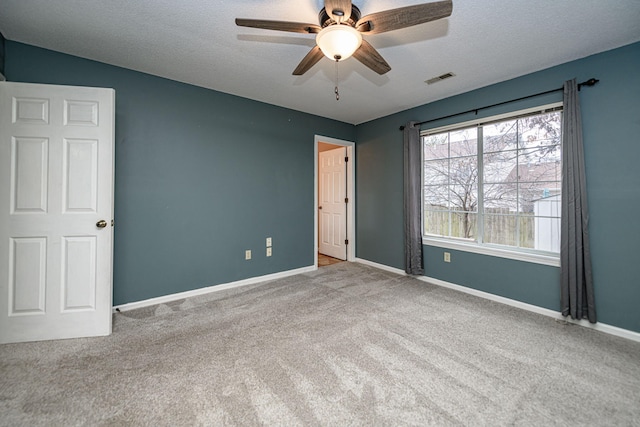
(496, 183)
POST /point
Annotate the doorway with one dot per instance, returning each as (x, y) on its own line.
(341, 161)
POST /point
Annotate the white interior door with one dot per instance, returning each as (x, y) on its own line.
(332, 207)
(56, 210)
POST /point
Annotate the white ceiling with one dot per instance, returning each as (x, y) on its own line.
(197, 42)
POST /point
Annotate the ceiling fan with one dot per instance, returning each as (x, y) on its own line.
(339, 34)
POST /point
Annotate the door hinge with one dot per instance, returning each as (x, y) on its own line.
(346, 200)
(346, 242)
(346, 159)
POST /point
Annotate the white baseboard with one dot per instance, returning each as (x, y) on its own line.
(215, 288)
(602, 327)
(381, 266)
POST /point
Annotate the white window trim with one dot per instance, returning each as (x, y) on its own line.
(518, 254)
(492, 250)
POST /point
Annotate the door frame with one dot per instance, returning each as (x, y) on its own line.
(351, 206)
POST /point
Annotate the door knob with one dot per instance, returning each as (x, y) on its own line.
(101, 224)
(319, 207)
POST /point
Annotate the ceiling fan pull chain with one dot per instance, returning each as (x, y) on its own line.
(336, 88)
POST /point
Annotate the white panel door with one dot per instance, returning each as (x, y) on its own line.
(332, 208)
(56, 210)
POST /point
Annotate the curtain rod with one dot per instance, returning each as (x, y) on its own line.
(589, 82)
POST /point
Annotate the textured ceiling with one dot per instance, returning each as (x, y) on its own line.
(197, 42)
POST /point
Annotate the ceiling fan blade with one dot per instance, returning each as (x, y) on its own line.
(338, 10)
(293, 27)
(308, 61)
(403, 17)
(371, 58)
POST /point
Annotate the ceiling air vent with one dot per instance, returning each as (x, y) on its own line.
(439, 78)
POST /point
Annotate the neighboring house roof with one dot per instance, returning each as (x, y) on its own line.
(537, 172)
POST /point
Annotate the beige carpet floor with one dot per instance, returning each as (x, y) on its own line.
(346, 345)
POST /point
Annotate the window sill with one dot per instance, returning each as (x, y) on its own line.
(550, 260)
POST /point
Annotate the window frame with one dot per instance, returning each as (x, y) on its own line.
(503, 251)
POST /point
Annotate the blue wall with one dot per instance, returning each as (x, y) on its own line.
(611, 127)
(200, 177)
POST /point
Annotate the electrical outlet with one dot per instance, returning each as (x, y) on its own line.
(269, 242)
(247, 254)
(268, 251)
(447, 257)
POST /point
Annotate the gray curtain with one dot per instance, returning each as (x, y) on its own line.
(576, 278)
(412, 196)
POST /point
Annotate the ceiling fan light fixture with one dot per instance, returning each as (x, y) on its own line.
(338, 42)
